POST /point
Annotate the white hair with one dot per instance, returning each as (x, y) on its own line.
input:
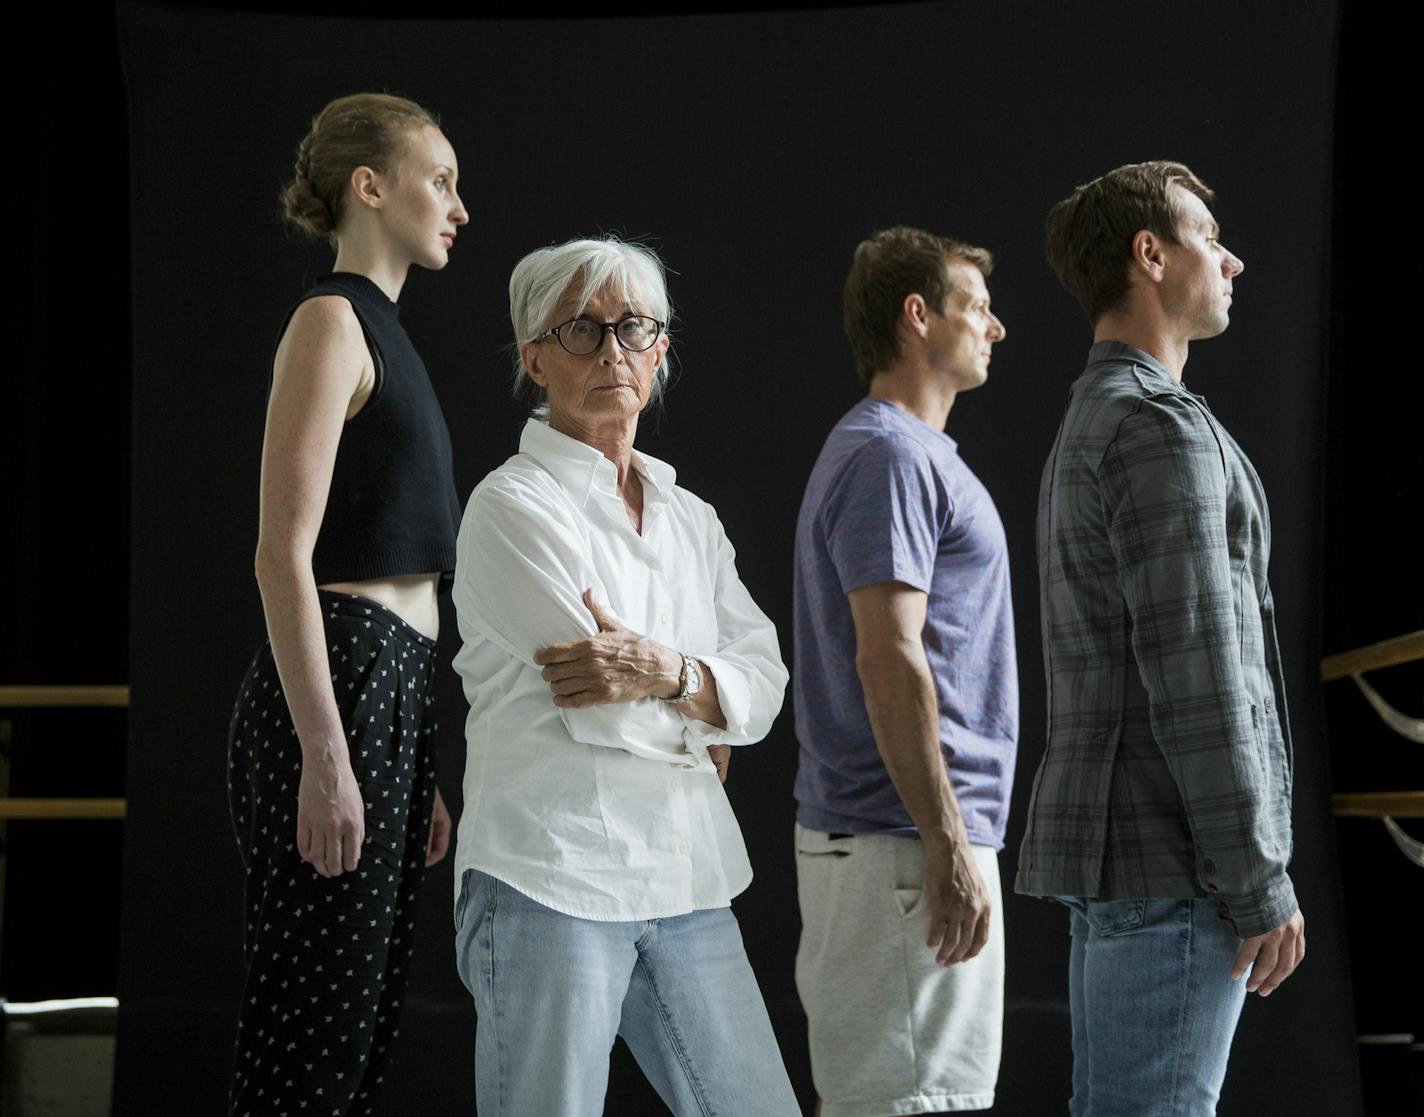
(540, 280)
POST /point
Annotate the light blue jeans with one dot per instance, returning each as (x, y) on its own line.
(1154, 1007)
(553, 991)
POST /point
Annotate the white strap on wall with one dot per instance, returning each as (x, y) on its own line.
(1411, 728)
(1407, 845)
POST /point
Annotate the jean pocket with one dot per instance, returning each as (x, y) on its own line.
(477, 894)
(460, 901)
(1114, 917)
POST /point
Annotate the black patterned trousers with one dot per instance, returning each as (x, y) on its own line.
(328, 957)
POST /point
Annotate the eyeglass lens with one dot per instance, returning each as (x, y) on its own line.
(582, 336)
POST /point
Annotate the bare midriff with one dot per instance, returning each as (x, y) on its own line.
(412, 597)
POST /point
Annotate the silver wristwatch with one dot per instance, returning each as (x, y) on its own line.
(689, 682)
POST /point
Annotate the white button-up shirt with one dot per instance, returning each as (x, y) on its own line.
(608, 812)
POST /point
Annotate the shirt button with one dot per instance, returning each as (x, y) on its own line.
(672, 781)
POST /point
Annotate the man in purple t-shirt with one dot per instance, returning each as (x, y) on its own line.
(906, 696)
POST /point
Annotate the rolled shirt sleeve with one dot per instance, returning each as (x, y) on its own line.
(1166, 511)
(751, 678)
(521, 575)
(613, 811)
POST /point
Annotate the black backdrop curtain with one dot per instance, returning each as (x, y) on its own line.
(754, 150)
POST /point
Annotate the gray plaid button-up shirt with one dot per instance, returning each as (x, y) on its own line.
(1168, 766)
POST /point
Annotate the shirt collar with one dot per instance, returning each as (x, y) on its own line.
(581, 469)
(1119, 352)
(891, 413)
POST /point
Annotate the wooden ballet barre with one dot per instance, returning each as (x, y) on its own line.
(16, 696)
(1387, 653)
(62, 809)
(1379, 804)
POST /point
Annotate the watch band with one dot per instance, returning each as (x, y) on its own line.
(689, 681)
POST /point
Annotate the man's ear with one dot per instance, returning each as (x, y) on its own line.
(1149, 258)
(915, 314)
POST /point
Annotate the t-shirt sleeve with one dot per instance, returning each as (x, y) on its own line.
(746, 662)
(884, 517)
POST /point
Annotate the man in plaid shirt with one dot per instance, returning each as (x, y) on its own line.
(1161, 810)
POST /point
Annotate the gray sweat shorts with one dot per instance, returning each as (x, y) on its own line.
(892, 1032)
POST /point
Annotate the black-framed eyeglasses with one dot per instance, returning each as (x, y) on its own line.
(582, 336)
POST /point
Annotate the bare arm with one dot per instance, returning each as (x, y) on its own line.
(904, 716)
(321, 373)
(437, 842)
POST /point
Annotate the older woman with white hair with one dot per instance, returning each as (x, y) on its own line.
(611, 655)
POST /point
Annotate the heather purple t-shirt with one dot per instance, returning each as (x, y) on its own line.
(890, 499)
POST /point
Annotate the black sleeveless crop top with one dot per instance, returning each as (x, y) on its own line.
(392, 508)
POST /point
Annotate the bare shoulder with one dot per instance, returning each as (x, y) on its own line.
(323, 344)
(327, 319)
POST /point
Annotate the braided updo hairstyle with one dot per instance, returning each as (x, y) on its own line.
(360, 130)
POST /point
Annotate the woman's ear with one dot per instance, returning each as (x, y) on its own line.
(366, 187)
(529, 356)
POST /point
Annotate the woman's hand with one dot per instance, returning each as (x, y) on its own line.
(721, 757)
(615, 664)
(438, 844)
(331, 815)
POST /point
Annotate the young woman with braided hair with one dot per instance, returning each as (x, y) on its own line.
(331, 773)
